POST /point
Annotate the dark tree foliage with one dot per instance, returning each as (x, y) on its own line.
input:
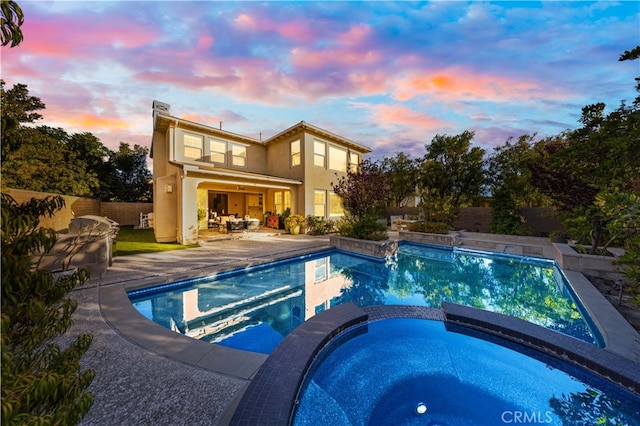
(131, 177)
(17, 107)
(452, 175)
(11, 19)
(42, 162)
(602, 155)
(41, 381)
(509, 171)
(630, 55)
(505, 218)
(363, 197)
(49, 159)
(401, 175)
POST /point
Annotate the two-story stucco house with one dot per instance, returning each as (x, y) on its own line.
(196, 166)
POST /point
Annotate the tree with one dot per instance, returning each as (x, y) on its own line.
(508, 168)
(451, 176)
(364, 202)
(602, 155)
(11, 19)
(131, 177)
(630, 55)
(401, 175)
(17, 107)
(41, 382)
(622, 215)
(51, 160)
(43, 162)
(95, 158)
(510, 182)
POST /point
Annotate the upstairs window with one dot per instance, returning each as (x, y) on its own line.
(354, 160)
(218, 151)
(319, 154)
(193, 146)
(337, 159)
(239, 155)
(296, 156)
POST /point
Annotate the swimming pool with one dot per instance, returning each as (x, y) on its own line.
(415, 371)
(253, 309)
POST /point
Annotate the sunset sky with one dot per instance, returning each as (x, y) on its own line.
(387, 75)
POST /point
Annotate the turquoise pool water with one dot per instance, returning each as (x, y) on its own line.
(415, 372)
(254, 309)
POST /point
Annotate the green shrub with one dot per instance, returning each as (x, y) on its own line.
(41, 382)
(430, 227)
(366, 228)
(320, 225)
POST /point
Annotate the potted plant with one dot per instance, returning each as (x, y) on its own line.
(294, 223)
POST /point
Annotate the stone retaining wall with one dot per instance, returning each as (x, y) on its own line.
(379, 249)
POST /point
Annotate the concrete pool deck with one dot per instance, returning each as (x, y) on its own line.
(146, 374)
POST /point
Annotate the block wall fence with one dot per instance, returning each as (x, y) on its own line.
(540, 220)
(123, 213)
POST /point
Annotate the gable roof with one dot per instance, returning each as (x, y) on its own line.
(308, 127)
(162, 120)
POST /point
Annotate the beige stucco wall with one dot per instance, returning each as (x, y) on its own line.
(279, 158)
(256, 152)
(165, 199)
(318, 178)
(191, 191)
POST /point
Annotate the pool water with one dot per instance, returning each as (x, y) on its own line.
(415, 372)
(254, 309)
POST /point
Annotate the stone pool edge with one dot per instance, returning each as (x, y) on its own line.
(271, 397)
(124, 319)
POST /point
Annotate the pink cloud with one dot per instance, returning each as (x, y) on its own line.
(204, 42)
(458, 83)
(401, 115)
(299, 30)
(303, 58)
(59, 38)
(356, 35)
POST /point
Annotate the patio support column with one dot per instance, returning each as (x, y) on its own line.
(188, 218)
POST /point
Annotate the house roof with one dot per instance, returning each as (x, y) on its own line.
(304, 126)
(162, 120)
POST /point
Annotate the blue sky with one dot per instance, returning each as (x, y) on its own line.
(387, 75)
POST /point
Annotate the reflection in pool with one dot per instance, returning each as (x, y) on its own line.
(409, 371)
(253, 310)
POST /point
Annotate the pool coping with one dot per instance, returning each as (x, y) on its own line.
(118, 312)
(271, 397)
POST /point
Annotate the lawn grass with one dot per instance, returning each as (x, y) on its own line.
(136, 241)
